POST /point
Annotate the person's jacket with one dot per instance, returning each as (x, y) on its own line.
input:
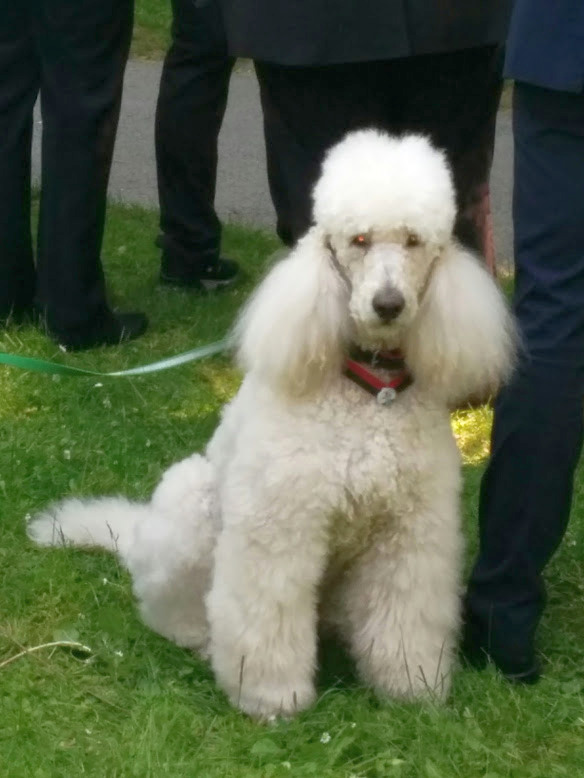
(546, 44)
(322, 32)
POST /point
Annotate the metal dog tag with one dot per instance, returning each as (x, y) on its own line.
(386, 395)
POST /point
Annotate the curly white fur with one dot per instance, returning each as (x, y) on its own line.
(313, 504)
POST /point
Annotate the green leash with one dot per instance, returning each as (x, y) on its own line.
(54, 368)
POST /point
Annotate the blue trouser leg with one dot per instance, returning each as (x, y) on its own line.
(537, 434)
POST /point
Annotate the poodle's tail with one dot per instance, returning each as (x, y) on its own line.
(108, 523)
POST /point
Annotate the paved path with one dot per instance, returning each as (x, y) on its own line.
(242, 187)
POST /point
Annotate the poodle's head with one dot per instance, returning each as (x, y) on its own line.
(385, 208)
(380, 269)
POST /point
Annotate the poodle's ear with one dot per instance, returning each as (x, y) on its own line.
(463, 343)
(293, 331)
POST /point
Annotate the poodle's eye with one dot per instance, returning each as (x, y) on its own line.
(412, 240)
(362, 241)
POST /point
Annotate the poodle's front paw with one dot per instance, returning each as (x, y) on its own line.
(411, 682)
(270, 702)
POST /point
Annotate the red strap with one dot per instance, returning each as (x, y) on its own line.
(365, 376)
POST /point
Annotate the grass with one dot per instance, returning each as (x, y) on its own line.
(151, 28)
(142, 707)
(151, 36)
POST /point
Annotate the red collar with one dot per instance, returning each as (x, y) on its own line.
(361, 365)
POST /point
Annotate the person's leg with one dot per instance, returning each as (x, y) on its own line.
(307, 110)
(189, 113)
(18, 90)
(454, 98)
(537, 434)
(84, 48)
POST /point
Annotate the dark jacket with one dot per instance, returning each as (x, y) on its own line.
(546, 44)
(322, 32)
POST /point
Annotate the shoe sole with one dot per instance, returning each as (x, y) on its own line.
(480, 660)
(210, 286)
(528, 677)
(201, 284)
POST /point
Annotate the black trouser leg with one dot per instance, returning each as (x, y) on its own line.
(454, 98)
(451, 97)
(19, 84)
(306, 110)
(191, 105)
(84, 48)
(537, 435)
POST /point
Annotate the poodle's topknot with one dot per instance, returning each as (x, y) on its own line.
(371, 177)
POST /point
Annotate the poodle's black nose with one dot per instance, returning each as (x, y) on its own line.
(388, 303)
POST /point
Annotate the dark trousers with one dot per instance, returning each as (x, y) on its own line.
(74, 53)
(191, 105)
(451, 97)
(537, 435)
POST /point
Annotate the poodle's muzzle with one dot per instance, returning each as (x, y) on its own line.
(388, 303)
(374, 283)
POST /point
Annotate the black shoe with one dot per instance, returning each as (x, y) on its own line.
(515, 665)
(110, 330)
(187, 268)
(216, 275)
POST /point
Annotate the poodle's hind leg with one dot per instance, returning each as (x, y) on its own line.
(263, 601)
(400, 606)
(171, 559)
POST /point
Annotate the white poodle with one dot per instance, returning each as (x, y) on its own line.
(316, 503)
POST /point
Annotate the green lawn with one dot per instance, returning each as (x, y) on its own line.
(151, 28)
(143, 707)
(151, 36)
